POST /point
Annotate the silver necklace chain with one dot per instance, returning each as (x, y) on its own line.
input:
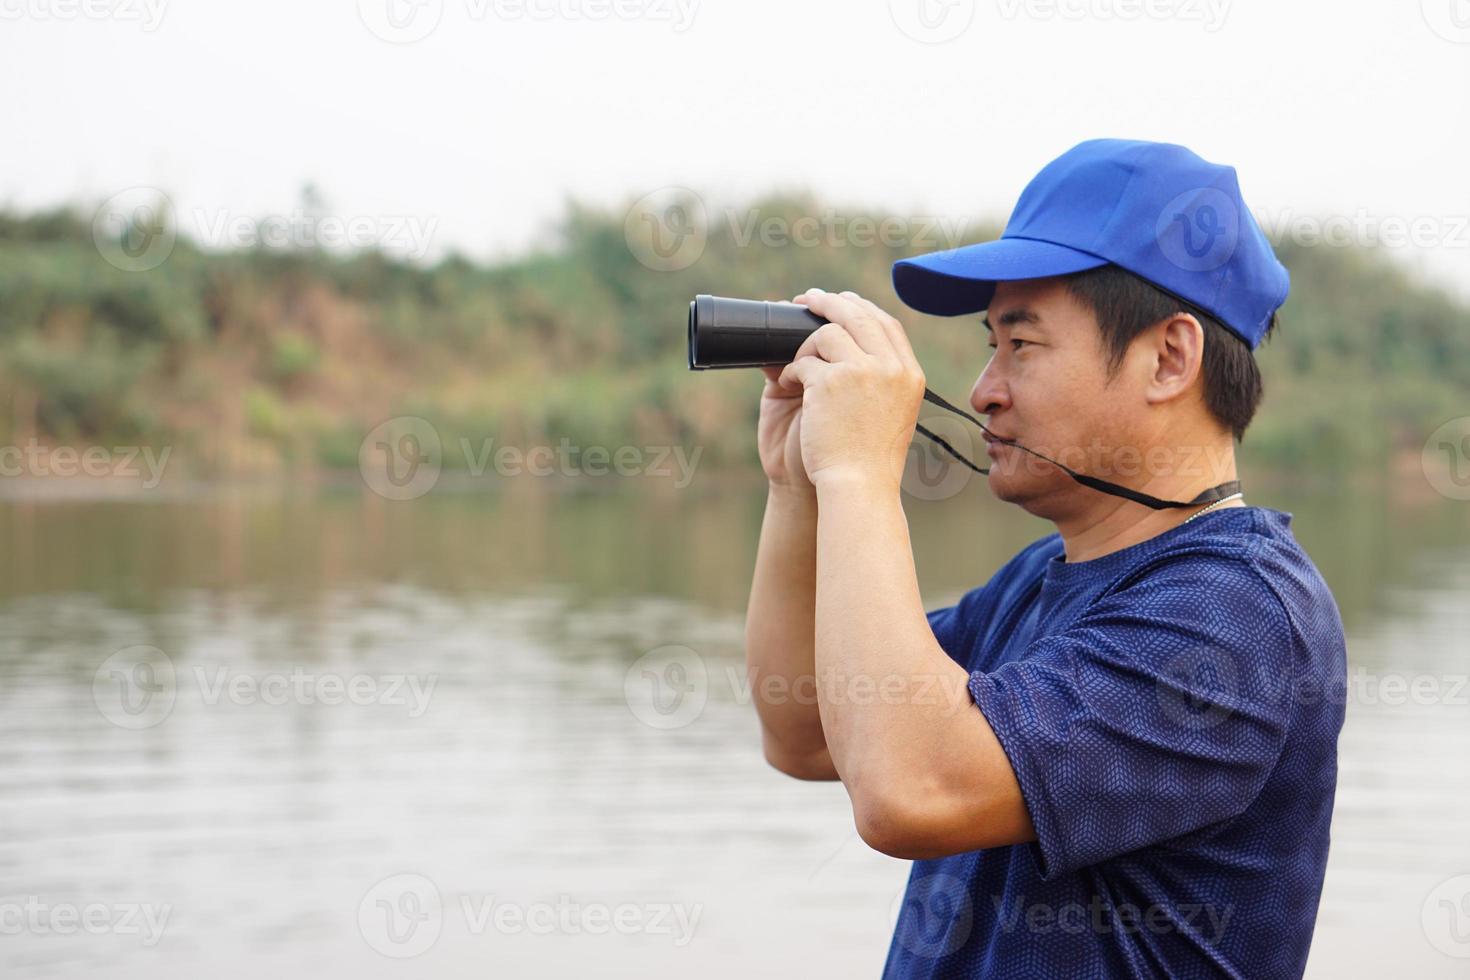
(1222, 500)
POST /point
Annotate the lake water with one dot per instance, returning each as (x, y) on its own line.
(258, 733)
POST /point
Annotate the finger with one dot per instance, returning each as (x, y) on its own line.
(838, 308)
(830, 342)
(871, 318)
(894, 330)
(774, 388)
(834, 342)
(804, 371)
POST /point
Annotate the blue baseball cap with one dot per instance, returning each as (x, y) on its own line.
(1154, 209)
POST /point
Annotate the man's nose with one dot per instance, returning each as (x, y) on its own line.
(990, 393)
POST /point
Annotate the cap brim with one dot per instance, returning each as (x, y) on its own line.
(962, 280)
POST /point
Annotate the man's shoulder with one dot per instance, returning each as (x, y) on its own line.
(1034, 557)
(1244, 574)
(1250, 549)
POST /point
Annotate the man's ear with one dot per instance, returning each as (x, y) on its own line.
(1176, 349)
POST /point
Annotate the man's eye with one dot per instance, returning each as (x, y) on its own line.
(1017, 342)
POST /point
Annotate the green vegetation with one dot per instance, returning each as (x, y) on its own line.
(272, 359)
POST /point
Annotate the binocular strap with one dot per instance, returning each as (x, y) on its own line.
(1211, 495)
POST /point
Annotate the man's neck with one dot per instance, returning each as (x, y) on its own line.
(1112, 523)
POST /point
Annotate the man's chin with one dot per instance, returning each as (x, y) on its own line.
(1024, 491)
(1007, 487)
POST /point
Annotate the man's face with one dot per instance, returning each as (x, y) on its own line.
(1046, 387)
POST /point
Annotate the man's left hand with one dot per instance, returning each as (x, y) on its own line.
(862, 391)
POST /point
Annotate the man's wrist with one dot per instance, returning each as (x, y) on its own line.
(797, 497)
(848, 481)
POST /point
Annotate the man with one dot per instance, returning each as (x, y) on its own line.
(1118, 756)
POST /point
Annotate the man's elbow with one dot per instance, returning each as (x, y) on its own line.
(890, 829)
(894, 825)
(813, 764)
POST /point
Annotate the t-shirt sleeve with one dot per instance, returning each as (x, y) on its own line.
(1160, 711)
(945, 624)
(956, 626)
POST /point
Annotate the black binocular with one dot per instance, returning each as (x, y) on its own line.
(739, 333)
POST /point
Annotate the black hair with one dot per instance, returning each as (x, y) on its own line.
(1126, 305)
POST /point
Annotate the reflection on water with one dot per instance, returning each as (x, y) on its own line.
(333, 722)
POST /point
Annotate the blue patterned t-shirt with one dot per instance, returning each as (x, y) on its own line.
(1171, 711)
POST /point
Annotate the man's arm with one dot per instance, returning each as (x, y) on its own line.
(779, 636)
(926, 773)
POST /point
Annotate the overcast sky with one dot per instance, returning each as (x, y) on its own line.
(479, 118)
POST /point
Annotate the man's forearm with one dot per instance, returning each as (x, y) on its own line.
(887, 690)
(780, 635)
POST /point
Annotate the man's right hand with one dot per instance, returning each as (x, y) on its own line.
(778, 434)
